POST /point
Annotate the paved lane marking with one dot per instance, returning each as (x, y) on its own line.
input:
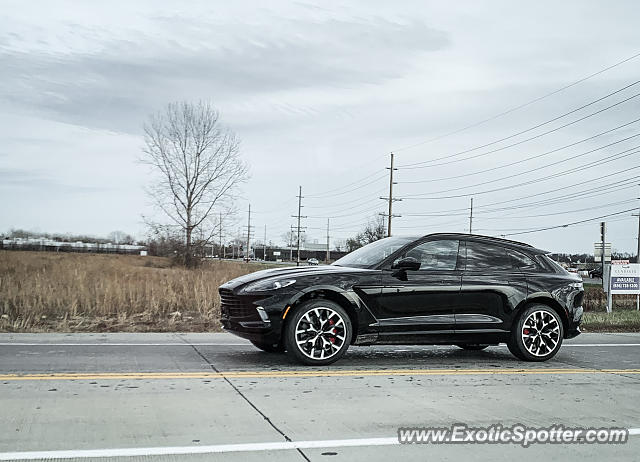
(211, 449)
(305, 373)
(182, 344)
(123, 344)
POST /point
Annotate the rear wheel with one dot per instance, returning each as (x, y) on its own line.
(472, 346)
(269, 347)
(537, 334)
(318, 333)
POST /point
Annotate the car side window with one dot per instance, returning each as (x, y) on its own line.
(481, 256)
(436, 255)
(523, 262)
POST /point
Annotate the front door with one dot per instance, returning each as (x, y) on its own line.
(420, 305)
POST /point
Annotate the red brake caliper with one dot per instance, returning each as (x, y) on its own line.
(334, 330)
(525, 331)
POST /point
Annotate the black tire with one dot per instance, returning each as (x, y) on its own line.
(327, 334)
(542, 328)
(472, 346)
(269, 348)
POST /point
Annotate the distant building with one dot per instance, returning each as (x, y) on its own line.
(51, 245)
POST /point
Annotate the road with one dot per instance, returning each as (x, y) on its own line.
(189, 396)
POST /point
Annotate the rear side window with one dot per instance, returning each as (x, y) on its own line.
(522, 261)
(552, 264)
(482, 256)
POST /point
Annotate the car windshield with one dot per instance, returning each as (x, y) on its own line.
(374, 253)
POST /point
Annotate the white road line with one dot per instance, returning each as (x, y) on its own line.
(212, 449)
(123, 344)
(182, 450)
(566, 345)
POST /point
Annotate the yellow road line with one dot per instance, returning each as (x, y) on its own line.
(306, 373)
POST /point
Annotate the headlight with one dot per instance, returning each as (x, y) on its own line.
(268, 284)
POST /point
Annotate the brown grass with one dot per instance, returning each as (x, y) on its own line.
(41, 291)
(64, 292)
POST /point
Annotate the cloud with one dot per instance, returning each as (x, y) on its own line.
(116, 86)
(13, 179)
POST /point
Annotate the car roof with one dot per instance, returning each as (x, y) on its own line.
(489, 239)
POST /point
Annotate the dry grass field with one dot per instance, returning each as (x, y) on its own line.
(68, 292)
(65, 292)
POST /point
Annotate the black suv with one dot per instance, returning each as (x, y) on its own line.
(458, 289)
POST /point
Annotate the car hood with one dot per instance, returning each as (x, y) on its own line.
(291, 272)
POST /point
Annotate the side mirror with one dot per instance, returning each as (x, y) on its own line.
(407, 263)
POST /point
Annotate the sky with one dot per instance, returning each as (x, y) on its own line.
(320, 94)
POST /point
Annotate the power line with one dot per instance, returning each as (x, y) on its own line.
(564, 212)
(323, 196)
(545, 178)
(570, 224)
(537, 156)
(550, 201)
(521, 106)
(526, 140)
(360, 200)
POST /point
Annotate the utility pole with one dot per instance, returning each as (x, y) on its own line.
(603, 231)
(291, 244)
(638, 252)
(471, 218)
(328, 251)
(390, 199)
(220, 230)
(638, 258)
(299, 216)
(247, 255)
(264, 253)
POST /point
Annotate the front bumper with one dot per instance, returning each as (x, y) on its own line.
(240, 315)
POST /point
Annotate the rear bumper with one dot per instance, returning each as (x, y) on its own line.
(573, 329)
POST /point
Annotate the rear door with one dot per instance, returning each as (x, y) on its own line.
(491, 289)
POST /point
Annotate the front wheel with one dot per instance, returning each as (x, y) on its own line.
(537, 334)
(318, 333)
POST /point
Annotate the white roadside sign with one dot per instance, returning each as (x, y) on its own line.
(625, 279)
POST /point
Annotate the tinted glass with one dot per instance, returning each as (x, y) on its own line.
(482, 256)
(374, 253)
(436, 255)
(520, 260)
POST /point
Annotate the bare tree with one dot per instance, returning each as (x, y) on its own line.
(120, 237)
(374, 231)
(198, 167)
(291, 237)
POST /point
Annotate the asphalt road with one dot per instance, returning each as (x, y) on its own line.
(190, 396)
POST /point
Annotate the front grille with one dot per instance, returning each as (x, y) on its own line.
(232, 306)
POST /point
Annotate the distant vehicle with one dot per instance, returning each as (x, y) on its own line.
(457, 289)
(573, 270)
(596, 273)
(313, 261)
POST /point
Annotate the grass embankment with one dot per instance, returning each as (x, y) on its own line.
(65, 292)
(623, 318)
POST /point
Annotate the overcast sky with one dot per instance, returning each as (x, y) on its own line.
(320, 93)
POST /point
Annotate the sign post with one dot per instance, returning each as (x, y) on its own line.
(624, 279)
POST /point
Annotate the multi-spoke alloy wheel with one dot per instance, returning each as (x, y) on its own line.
(540, 333)
(319, 332)
(537, 334)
